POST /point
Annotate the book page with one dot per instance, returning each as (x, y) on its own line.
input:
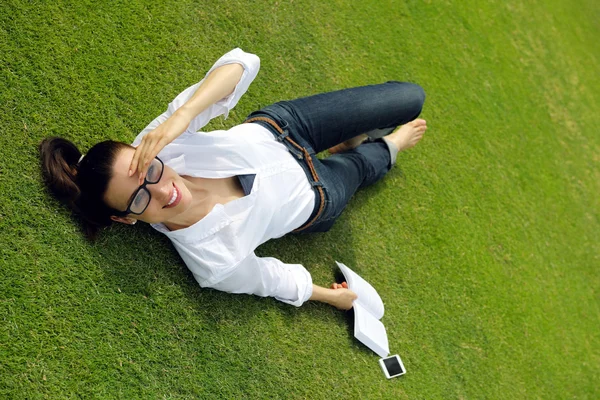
(370, 331)
(367, 295)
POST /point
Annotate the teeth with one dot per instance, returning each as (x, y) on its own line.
(174, 196)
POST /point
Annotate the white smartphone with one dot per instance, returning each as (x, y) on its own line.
(392, 366)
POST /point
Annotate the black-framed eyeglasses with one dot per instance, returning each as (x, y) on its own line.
(141, 197)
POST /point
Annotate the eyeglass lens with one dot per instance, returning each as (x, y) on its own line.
(142, 198)
(154, 171)
(140, 201)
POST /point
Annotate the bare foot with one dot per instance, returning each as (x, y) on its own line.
(409, 134)
(348, 144)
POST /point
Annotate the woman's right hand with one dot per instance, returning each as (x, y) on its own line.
(154, 141)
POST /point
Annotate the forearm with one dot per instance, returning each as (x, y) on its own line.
(341, 298)
(321, 294)
(219, 84)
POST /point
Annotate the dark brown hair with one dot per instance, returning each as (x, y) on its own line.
(81, 185)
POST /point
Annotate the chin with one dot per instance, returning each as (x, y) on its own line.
(184, 204)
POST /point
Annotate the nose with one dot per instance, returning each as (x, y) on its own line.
(161, 191)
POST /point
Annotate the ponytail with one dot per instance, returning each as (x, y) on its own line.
(81, 185)
(59, 168)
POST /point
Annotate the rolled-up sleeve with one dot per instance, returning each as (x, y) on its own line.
(250, 63)
(267, 276)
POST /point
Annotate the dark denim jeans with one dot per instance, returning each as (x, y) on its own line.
(324, 120)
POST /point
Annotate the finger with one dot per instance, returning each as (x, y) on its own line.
(142, 171)
(140, 156)
(333, 285)
(344, 285)
(134, 161)
(143, 162)
(160, 144)
(141, 168)
(151, 152)
(143, 152)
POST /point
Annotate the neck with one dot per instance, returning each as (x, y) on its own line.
(206, 193)
(196, 210)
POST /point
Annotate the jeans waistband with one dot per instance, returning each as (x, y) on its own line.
(304, 159)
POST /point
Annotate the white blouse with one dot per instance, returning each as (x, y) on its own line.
(219, 249)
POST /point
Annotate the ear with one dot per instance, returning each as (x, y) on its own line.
(123, 220)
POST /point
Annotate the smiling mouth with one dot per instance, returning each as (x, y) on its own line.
(175, 198)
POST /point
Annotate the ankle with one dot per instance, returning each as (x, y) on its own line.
(393, 149)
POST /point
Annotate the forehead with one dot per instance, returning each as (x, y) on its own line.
(123, 161)
(121, 186)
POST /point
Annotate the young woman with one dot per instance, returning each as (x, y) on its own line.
(219, 195)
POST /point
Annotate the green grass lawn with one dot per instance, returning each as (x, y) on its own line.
(483, 243)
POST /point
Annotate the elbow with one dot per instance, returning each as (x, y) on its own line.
(255, 61)
(252, 63)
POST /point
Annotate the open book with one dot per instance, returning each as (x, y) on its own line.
(368, 310)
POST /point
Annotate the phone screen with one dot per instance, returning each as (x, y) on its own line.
(393, 366)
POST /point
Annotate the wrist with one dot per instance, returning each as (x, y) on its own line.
(321, 294)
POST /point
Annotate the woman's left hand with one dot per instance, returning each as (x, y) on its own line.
(153, 142)
(342, 285)
(343, 297)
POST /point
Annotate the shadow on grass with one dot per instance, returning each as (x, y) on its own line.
(140, 261)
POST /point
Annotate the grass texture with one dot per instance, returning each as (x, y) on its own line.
(483, 243)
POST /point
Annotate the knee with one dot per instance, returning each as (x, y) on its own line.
(411, 95)
(419, 94)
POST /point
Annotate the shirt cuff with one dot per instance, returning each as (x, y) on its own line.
(303, 284)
